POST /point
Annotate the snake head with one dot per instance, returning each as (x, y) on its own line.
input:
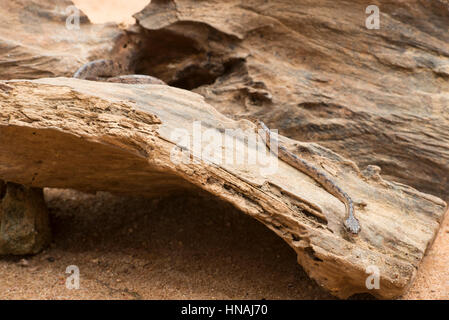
(352, 225)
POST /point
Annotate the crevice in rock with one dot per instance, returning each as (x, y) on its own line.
(362, 296)
(194, 76)
(311, 253)
(186, 55)
(2, 189)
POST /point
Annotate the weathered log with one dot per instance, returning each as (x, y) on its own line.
(70, 133)
(313, 70)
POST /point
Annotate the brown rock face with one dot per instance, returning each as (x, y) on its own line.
(122, 138)
(314, 71)
(24, 226)
(42, 39)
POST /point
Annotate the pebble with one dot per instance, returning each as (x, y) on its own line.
(24, 263)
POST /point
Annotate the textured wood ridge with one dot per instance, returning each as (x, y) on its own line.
(71, 133)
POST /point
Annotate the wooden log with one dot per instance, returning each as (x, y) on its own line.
(85, 135)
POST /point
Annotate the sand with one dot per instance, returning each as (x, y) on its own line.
(175, 248)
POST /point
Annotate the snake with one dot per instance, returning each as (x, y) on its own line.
(351, 223)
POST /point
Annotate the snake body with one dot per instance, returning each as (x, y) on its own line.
(101, 68)
(112, 71)
(351, 223)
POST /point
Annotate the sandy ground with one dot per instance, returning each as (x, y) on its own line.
(172, 248)
(432, 280)
(175, 248)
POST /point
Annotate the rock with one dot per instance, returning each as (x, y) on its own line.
(127, 139)
(24, 225)
(44, 40)
(312, 70)
(23, 263)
